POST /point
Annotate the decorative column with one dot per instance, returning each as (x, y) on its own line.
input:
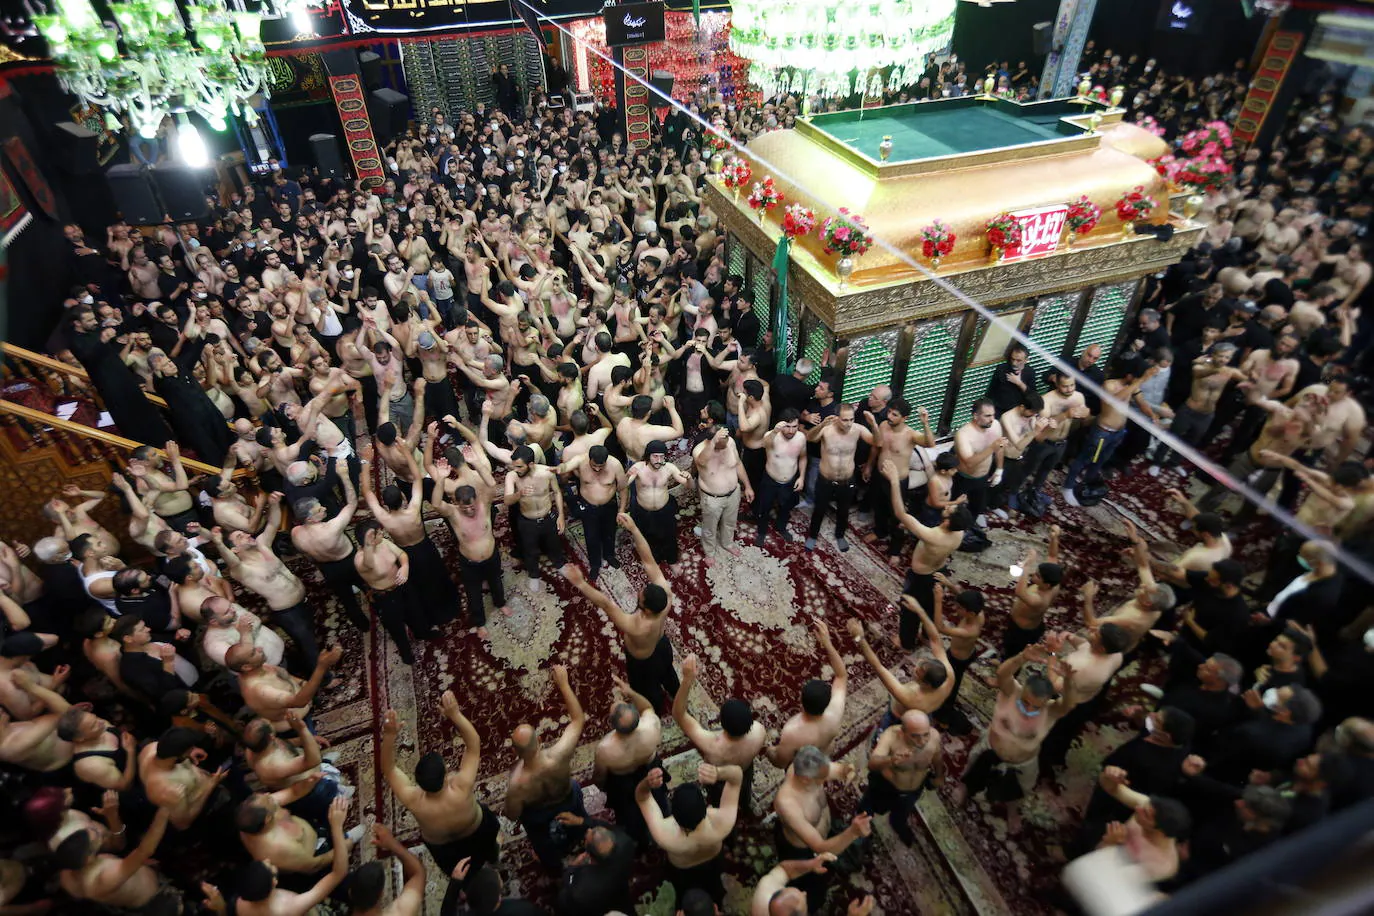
(350, 98)
(633, 96)
(1071, 25)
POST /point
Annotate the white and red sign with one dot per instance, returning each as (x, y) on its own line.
(1041, 229)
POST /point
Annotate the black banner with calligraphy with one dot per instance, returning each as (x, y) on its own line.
(401, 17)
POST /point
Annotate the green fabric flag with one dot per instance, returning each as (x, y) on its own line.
(696, 13)
(780, 322)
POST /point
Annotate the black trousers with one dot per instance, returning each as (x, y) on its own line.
(920, 586)
(654, 678)
(540, 535)
(1015, 638)
(773, 496)
(1013, 477)
(659, 527)
(474, 574)
(341, 576)
(885, 524)
(1040, 459)
(842, 493)
(976, 488)
(1054, 750)
(599, 528)
(882, 797)
(398, 609)
(298, 623)
(754, 461)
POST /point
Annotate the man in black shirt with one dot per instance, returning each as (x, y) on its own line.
(144, 666)
(1189, 315)
(1011, 380)
(1278, 732)
(791, 390)
(484, 894)
(1217, 620)
(598, 880)
(1201, 687)
(138, 595)
(1257, 820)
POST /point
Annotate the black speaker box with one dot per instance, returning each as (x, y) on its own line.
(389, 111)
(662, 80)
(1042, 37)
(182, 191)
(370, 64)
(76, 148)
(324, 148)
(133, 193)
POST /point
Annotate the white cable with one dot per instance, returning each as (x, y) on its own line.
(1360, 567)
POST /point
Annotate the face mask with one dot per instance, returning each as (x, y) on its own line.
(486, 151)
(1150, 725)
(348, 273)
(1304, 564)
(1271, 699)
(202, 295)
(87, 299)
(252, 244)
(1026, 710)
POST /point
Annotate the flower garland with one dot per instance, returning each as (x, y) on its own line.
(937, 240)
(1003, 231)
(736, 173)
(1134, 205)
(798, 221)
(1083, 216)
(845, 233)
(764, 196)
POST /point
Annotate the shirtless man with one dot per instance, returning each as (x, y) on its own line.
(624, 757)
(16, 653)
(720, 476)
(1151, 599)
(804, 826)
(822, 708)
(739, 741)
(172, 503)
(979, 443)
(1286, 430)
(144, 524)
(937, 545)
(325, 541)
(1270, 374)
(648, 651)
(934, 675)
(488, 375)
(453, 822)
(534, 489)
(258, 891)
(400, 450)
(250, 560)
(192, 587)
(963, 646)
(906, 758)
(893, 440)
(172, 779)
(753, 407)
(271, 833)
(74, 520)
(1211, 374)
(1089, 662)
(278, 763)
(604, 490)
(1064, 405)
(635, 432)
(783, 476)
(607, 359)
(1342, 426)
(385, 568)
(1036, 589)
(1021, 718)
(1110, 429)
(271, 692)
(654, 508)
(129, 883)
(231, 511)
(694, 835)
(479, 559)
(839, 437)
(778, 894)
(541, 787)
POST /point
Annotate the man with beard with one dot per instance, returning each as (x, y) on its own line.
(479, 560)
(654, 508)
(386, 570)
(893, 441)
(604, 490)
(977, 443)
(541, 787)
(839, 438)
(534, 489)
(783, 477)
(906, 759)
(720, 476)
(325, 541)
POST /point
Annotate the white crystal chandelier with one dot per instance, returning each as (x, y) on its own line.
(816, 46)
(158, 57)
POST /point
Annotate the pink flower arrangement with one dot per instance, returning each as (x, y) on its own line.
(1167, 165)
(1203, 173)
(1083, 216)
(1212, 139)
(715, 143)
(937, 240)
(846, 234)
(1003, 231)
(736, 173)
(1135, 204)
(798, 221)
(764, 196)
(1145, 122)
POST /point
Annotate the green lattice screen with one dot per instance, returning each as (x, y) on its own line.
(973, 387)
(927, 374)
(818, 341)
(1050, 328)
(1105, 313)
(870, 364)
(737, 257)
(762, 286)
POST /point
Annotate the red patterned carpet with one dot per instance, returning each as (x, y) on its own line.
(749, 623)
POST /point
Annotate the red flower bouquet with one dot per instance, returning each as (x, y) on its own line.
(1145, 122)
(1212, 139)
(798, 221)
(1204, 173)
(845, 233)
(1135, 205)
(736, 173)
(937, 240)
(764, 196)
(1003, 231)
(1083, 216)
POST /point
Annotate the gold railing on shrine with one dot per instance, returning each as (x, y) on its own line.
(60, 378)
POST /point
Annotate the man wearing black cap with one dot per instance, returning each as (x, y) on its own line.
(695, 833)
(653, 508)
(738, 743)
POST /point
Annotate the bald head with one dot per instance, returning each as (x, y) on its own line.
(913, 720)
(52, 550)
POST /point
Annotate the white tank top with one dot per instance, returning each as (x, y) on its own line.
(107, 603)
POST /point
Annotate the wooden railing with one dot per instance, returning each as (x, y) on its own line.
(60, 378)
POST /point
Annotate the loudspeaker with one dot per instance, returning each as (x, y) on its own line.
(1042, 37)
(76, 148)
(182, 191)
(662, 80)
(370, 65)
(389, 111)
(325, 149)
(133, 194)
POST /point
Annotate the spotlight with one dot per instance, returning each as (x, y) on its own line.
(191, 145)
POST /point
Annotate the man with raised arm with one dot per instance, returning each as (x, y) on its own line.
(129, 883)
(934, 676)
(171, 494)
(541, 786)
(325, 541)
(270, 832)
(534, 489)
(822, 708)
(604, 491)
(739, 741)
(839, 437)
(776, 895)
(259, 893)
(694, 834)
(894, 441)
(72, 521)
(648, 651)
(250, 560)
(635, 432)
(453, 822)
(626, 755)
(271, 692)
(1147, 604)
(367, 884)
(1036, 590)
(804, 827)
(905, 760)
(385, 568)
(479, 559)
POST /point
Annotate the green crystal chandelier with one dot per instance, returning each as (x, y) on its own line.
(820, 47)
(158, 57)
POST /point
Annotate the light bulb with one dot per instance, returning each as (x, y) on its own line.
(191, 145)
(300, 20)
(106, 50)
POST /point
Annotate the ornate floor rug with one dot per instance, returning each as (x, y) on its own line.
(748, 622)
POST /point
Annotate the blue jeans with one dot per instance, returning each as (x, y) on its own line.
(1097, 450)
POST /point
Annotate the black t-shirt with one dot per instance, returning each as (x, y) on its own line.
(599, 887)
(1190, 317)
(790, 391)
(145, 674)
(1153, 770)
(1262, 743)
(155, 608)
(1224, 619)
